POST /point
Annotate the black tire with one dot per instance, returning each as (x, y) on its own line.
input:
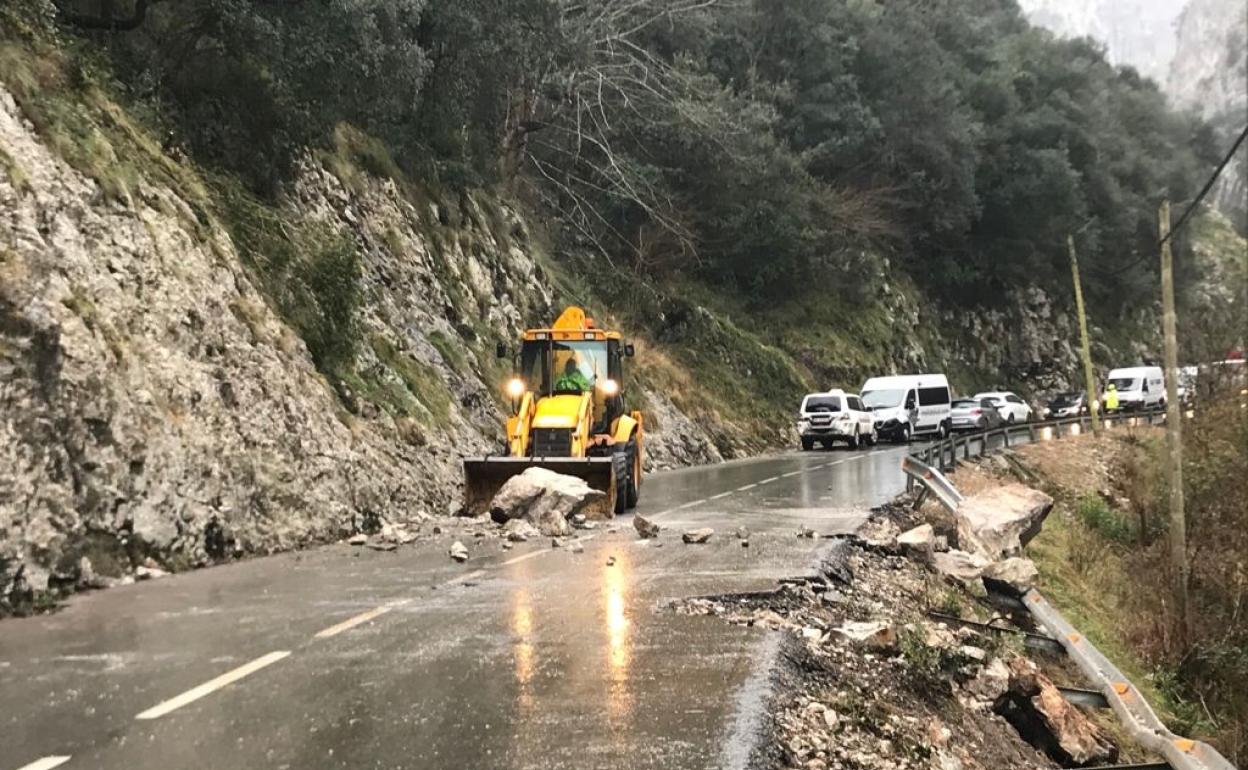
(1010, 419)
(828, 443)
(873, 438)
(623, 474)
(633, 489)
(854, 441)
(905, 433)
(807, 444)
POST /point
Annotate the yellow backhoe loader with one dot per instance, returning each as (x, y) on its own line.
(568, 415)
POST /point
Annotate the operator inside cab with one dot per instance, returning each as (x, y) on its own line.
(572, 379)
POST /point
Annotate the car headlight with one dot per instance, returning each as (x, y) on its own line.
(609, 387)
(515, 387)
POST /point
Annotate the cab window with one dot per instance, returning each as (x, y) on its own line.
(933, 396)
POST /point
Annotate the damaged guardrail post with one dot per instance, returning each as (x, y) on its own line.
(933, 481)
(1136, 715)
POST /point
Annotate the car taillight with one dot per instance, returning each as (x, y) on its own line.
(977, 411)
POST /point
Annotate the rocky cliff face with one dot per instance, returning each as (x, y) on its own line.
(152, 404)
(1209, 74)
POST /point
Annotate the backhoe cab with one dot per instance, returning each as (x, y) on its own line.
(567, 415)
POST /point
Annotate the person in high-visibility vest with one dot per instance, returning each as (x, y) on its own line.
(1111, 398)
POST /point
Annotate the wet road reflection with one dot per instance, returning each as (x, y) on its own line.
(615, 580)
(553, 663)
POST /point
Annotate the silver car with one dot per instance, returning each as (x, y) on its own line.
(974, 414)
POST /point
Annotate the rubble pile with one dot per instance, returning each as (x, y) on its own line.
(871, 680)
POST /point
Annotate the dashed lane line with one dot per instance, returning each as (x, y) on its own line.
(45, 763)
(744, 488)
(211, 686)
(363, 617)
(768, 481)
(690, 504)
(720, 496)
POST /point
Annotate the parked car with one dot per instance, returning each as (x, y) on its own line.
(1070, 404)
(1012, 408)
(1139, 387)
(908, 405)
(974, 414)
(835, 416)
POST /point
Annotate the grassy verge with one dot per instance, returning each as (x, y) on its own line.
(1104, 556)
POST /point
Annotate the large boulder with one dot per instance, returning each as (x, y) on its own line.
(997, 523)
(1018, 572)
(960, 565)
(545, 499)
(921, 540)
(1046, 720)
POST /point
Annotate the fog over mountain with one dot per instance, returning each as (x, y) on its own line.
(1139, 33)
(1197, 50)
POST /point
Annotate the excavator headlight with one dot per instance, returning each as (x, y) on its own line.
(515, 387)
(609, 387)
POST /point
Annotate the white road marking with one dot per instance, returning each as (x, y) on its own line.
(788, 475)
(747, 486)
(363, 617)
(524, 557)
(46, 763)
(689, 505)
(768, 481)
(476, 573)
(209, 687)
(720, 496)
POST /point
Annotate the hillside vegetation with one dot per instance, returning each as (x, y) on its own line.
(256, 255)
(758, 149)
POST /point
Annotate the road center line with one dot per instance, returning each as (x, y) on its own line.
(768, 481)
(744, 488)
(350, 623)
(720, 496)
(786, 475)
(689, 504)
(45, 763)
(211, 686)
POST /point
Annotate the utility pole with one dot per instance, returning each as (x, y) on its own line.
(1085, 348)
(1174, 430)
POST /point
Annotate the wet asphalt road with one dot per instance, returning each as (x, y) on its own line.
(349, 658)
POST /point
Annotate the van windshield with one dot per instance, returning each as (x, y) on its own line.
(883, 399)
(1126, 383)
(823, 404)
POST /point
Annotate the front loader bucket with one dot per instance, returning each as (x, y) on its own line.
(483, 477)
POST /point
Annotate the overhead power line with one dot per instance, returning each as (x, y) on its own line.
(1217, 172)
(1208, 185)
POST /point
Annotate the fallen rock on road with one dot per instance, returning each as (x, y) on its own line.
(697, 536)
(458, 551)
(545, 499)
(645, 528)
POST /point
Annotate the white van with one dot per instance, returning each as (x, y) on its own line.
(1139, 387)
(908, 405)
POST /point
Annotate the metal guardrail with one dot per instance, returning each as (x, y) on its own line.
(932, 480)
(1126, 701)
(944, 453)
